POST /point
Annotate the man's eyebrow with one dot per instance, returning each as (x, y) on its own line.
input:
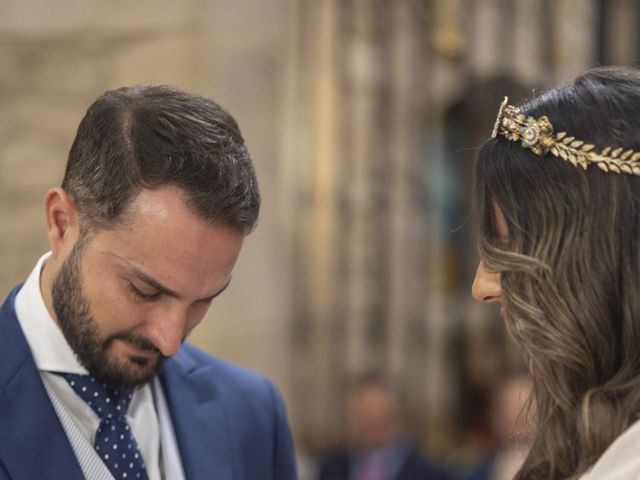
(152, 282)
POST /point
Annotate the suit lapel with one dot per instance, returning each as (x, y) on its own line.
(33, 443)
(198, 417)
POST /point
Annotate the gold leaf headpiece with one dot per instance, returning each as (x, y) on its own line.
(538, 136)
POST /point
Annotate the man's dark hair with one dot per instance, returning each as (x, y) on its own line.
(142, 137)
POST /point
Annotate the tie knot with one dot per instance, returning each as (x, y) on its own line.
(108, 403)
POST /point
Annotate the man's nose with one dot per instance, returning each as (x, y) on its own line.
(486, 286)
(167, 329)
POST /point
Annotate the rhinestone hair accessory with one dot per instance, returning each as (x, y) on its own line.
(538, 136)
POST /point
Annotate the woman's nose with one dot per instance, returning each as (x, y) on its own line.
(486, 286)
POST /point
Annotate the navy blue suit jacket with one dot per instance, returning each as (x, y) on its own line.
(229, 423)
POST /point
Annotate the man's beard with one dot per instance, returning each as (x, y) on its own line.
(81, 331)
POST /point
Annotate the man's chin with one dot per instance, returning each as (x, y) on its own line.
(134, 367)
(131, 377)
(127, 371)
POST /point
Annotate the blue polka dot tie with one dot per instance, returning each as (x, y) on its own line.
(114, 442)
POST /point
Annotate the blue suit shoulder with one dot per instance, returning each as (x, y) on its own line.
(233, 379)
(244, 404)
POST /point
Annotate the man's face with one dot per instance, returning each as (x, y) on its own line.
(127, 297)
(373, 417)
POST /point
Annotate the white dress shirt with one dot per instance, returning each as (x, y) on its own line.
(52, 353)
(621, 461)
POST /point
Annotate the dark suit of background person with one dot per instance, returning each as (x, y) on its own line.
(411, 466)
(378, 448)
(148, 280)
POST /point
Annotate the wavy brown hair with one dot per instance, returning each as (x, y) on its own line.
(570, 270)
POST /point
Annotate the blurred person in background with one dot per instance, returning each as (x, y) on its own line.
(96, 379)
(378, 445)
(557, 199)
(511, 425)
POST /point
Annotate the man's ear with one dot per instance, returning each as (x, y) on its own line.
(61, 221)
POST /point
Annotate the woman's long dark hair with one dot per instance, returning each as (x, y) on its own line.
(570, 271)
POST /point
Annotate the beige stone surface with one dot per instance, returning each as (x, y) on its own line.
(38, 17)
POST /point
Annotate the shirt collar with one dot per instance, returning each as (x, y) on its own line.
(50, 349)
